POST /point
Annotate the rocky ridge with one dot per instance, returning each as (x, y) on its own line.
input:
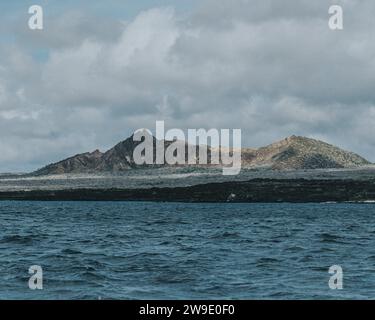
(288, 154)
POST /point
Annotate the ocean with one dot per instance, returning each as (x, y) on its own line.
(139, 250)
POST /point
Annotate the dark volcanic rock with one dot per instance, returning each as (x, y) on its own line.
(257, 190)
(117, 159)
(79, 163)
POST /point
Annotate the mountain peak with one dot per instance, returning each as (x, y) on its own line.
(297, 152)
(295, 138)
(294, 152)
(97, 152)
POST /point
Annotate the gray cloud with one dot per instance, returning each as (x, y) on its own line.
(272, 68)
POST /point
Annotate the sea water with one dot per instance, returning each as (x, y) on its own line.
(139, 250)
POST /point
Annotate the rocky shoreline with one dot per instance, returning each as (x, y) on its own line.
(255, 190)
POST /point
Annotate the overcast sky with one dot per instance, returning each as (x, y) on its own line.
(97, 72)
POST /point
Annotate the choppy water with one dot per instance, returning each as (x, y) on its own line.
(125, 250)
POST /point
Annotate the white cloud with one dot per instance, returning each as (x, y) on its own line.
(269, 67)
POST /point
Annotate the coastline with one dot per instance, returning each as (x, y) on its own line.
(251, 191)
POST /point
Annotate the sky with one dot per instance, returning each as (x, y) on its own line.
(99, 71)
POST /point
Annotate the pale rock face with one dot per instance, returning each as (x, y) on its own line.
(302, 153)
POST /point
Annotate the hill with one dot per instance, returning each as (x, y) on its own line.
(291, 153)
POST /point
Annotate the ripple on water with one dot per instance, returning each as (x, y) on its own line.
(18, 239)
(176, 251)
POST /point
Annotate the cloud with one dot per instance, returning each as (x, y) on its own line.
(268, 67)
